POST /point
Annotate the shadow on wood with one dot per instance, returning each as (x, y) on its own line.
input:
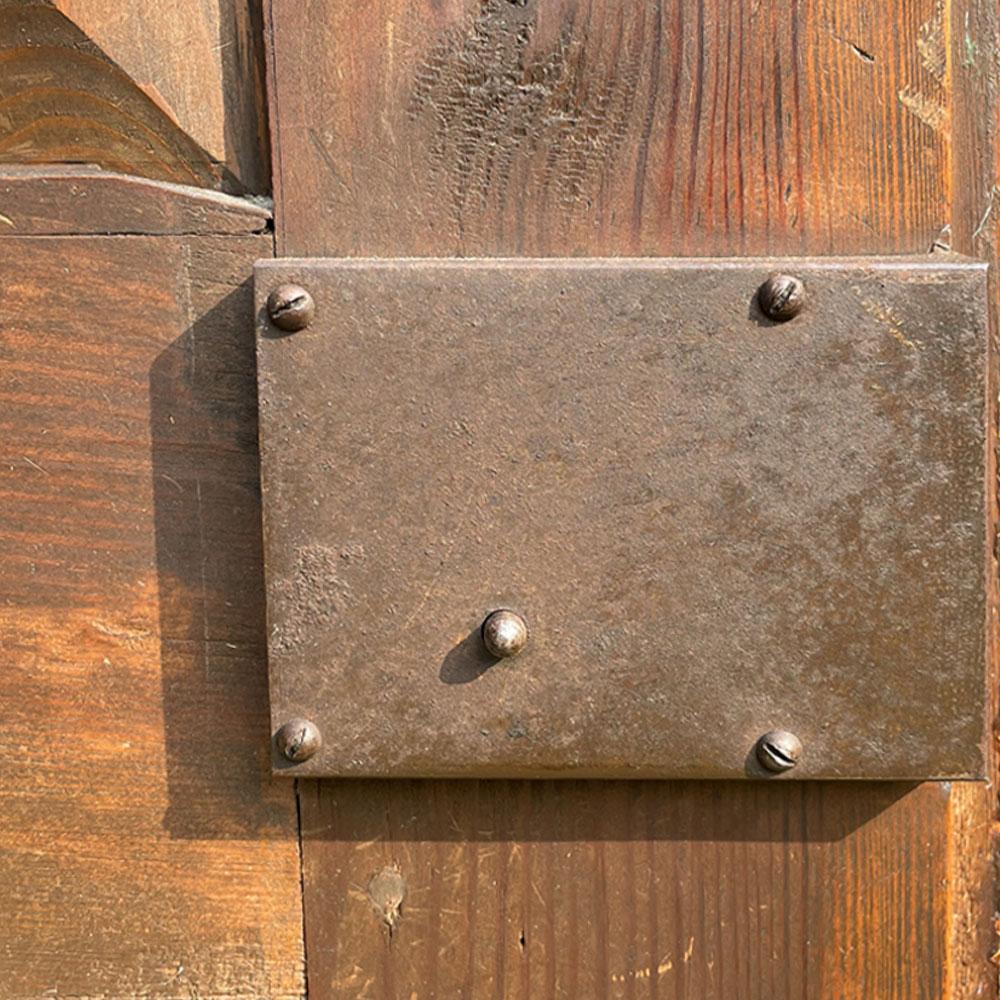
(207, 516)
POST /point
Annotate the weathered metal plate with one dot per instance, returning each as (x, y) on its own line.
(714, 525)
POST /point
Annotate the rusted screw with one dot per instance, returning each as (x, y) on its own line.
(291, 308)
(505, 634)
(297, 740)
(779, 750)
(781, 297)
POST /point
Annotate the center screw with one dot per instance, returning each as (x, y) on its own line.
(505, 634)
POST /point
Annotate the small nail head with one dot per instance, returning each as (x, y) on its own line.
(298, 740)
(505, 634)
(290, 308)
(781, 297)
(779, 750)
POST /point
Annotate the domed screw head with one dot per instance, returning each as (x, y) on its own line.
(779, 750)
(298, 740)
(781, 297)
(290, 308)
(505, 633)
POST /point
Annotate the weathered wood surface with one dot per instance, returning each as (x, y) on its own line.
(168, 91)
(79, 201)
(629, 889)
(492, 127)
(590, 127)
(973, 842)
(144, 849)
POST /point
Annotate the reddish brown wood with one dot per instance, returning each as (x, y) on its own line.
(164, 867)
(582, 127)
(144, 849)
(972, 833)
(629, 889)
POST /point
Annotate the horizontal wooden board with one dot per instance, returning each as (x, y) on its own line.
(81, 200)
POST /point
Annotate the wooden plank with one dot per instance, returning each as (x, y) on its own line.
(168, 91)
(80, 201)
(629, 889)
(590, 127)
(973, 831)
(461, 127)
(144, 849)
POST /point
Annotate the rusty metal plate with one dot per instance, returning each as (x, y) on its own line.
(713, 525)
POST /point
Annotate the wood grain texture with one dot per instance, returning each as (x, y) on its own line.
(202, 61)
(491, 127)
(80, 201)
(144, 849)
(592, 127)
(168, 91)
(630, 889)
(974, 844)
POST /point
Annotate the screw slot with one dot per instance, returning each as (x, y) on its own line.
(298, 740)
(291, 308)
(779, 750)
(781, 297)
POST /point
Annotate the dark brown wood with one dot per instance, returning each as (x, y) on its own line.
(973, 834)
(171, 91)
(81, 201)
(144, 849)
(596, 127)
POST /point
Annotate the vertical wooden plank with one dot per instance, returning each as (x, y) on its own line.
(144, 848)
(629, 889)
(594, 127)
(608, 127)
(974, 30)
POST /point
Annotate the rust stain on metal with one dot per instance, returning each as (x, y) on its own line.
(716, 525)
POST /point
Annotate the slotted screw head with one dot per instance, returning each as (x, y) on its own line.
(298, 740)
(505, 633)
(290, 308)
(779, 750)
(781, 297)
